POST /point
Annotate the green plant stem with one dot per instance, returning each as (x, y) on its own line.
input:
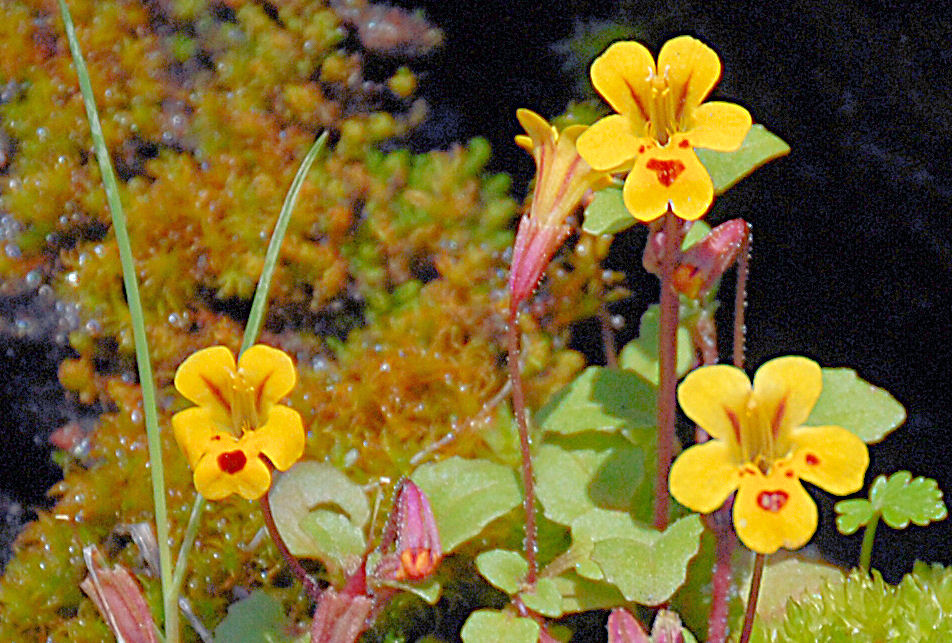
(137, 316)
(869, 535)
(188, 540)
(309, 586)
(525, 445)
(667, 353)
(751, 611)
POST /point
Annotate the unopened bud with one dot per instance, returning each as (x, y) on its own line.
(413, 531)
(624, 628)
(119, 599)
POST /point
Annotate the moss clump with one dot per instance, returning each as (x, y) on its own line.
(864, 608)
(390, 290)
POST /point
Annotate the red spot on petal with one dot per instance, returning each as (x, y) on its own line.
(812, 460)
(685, 143)
(641, 149)
(772, 500)
(232, 461)
(667, 171)
(789, 474)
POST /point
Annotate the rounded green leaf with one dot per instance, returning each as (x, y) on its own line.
(491, 626)
(848, 401)
(852, 514)
(727, 168)
(607, 214)
(307, 486)
(545, 599)
(648, 569)
(466, 495)
(259, 617)
(503, 569)
(641, 354)
(341, 543)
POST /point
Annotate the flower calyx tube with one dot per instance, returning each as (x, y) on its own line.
(562, 179)
(411, 543)
(237, 432)
(660, 119)
(760, 449)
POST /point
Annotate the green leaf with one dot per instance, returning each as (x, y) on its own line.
(490, 626)
(849, 402)
(546, 599)
(310, 486)
(852, 514)
(698, 231)
(648, 566)
(607, 214)
(600, 399)
(503, 569)
(259, 618)
(902, 499)
(727, 168)
(582, 594)
(342, 543)
(466, 495)
(790, 579)
(641, 354)
(572, 482)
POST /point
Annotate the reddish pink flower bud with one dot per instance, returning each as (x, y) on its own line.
(624, 628)
(667, 628)
(119, 599)
(703, 264)
(340, 618)
(413, 530)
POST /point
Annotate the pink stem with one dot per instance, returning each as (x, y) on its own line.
(309, 586)
(752, 597)
(608, 338)
(528, 481)
(740, 301)
(667, 352)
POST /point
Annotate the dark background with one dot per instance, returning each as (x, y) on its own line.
(851, 261)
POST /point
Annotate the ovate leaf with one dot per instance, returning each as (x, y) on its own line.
(650, 566)
(600, 399)
(641, 354)
(310, 486)
(847, 401)
(490, 626)
(466, 495)
(607, 214)
(544, 599)
(259, 618)
(342, 543)
(505, 570)
(727, 168)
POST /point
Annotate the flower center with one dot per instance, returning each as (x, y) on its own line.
(667, 171)
(772, 501)
(662, 107)
(244, 406)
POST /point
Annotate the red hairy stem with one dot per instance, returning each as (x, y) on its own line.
(528, 481)
(309, 586)
(740, 300)
(752, 597)
(667, 352)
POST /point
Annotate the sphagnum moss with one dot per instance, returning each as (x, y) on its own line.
(207, 109)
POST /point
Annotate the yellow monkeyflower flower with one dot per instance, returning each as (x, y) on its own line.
(760, 449)
(562, 178)
(660, 119)
(237, 432)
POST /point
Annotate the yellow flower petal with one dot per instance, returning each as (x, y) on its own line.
(664, 176)
(269, 371)
(830, 457)
(715, 397)
(692, 69)
(281, 439)
(232, 468)
(194, 430)
(538, 129)
(719, 126)
(786, 389)
(704, 476)
(205, 376)
(609, 144)
(773, 511)
(621, 75)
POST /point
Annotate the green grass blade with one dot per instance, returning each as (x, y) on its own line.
(260, 303)
(138, 325)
